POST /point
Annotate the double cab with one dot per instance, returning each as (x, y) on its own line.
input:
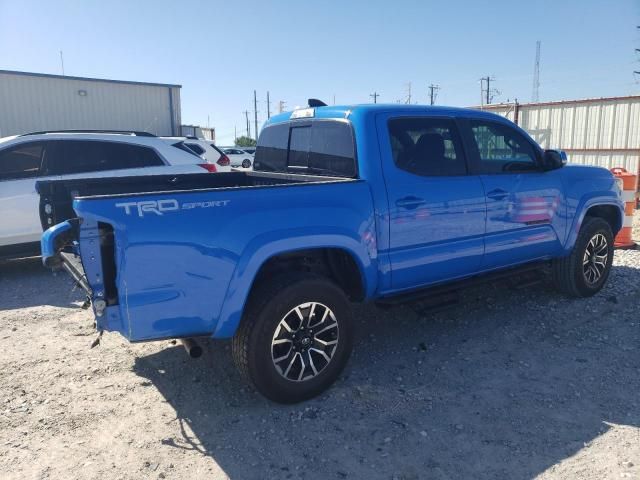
(345, 204)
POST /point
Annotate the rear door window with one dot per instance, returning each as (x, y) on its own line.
(22, 161)
(427, 146)
(196, 148)
(321, 147)
(78, 156)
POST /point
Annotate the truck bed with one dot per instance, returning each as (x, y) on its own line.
(175, 256)
(59, 194)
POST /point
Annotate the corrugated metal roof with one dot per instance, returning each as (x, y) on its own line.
(68, 77)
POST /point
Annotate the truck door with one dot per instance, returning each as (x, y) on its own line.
(525, 203)
(436, 209)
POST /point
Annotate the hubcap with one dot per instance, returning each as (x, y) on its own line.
(305, 341)
(594, 261)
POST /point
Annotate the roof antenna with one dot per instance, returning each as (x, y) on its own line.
(314, 102)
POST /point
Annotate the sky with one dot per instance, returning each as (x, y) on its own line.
(221, 51)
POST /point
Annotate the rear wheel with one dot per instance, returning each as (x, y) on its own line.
(584, 272)
(246, 163)
(295, 338)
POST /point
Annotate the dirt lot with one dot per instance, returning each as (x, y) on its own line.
(512, 384)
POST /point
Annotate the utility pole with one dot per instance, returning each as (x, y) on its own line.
(281, 106)
(535, 97)
(433, 89)
(488, 90)
(235, 134)
(268, 106)
(408, 100)
(375, 96)
(246, 116)
(62, 62)
(255, 113)
(637, 51)
(486, 93)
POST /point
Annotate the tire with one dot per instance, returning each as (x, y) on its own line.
(277, 359)
(571, 275)
(246, 163)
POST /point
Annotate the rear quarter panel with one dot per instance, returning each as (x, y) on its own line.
(188, 271)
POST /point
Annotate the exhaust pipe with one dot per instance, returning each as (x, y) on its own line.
(193, 349)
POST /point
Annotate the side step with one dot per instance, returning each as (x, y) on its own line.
(446, 295)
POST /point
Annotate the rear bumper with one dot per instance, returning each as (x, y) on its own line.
(54, 240)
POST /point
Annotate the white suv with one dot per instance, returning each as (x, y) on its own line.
(205, 149)
(24, 159)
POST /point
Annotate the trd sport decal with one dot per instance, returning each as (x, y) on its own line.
(160, 207)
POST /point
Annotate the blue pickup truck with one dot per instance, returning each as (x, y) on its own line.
(346, 204)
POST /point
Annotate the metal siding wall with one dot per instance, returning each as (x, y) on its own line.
(29, 103)
(630, 162)
(600, 125)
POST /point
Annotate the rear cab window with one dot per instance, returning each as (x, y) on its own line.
(316, 147)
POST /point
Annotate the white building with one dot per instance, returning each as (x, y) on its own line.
(594, 131)
(31, 102)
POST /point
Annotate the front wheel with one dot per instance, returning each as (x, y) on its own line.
(584, 272)
(246, 163)
(295, 337)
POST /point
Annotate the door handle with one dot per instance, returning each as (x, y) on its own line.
(410, 202)
(498, 194)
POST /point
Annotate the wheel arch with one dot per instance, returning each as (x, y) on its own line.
(339, 254)
(601, 207)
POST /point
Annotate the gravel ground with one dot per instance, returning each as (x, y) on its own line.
(513, 383)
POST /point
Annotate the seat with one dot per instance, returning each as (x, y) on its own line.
(428, 154)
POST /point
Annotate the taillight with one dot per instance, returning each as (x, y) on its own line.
(209, 167)
(224, 161)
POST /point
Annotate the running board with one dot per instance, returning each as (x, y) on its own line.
(451, 289)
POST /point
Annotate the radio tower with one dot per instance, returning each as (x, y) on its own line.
(535, 97)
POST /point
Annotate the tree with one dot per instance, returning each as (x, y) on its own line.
(245, 141)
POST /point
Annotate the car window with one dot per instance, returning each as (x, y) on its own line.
(427, 146)
(502, 149)
(271, 153)
(22, 161)
(317, 147)
(196, 148)
(78, 156)
(299, 142)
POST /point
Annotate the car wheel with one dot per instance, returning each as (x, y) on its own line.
(246, 163)
(295, 337)
(584, 272)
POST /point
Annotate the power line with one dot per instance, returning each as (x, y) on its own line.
(535, 97)
(433, 93)
(375, 96)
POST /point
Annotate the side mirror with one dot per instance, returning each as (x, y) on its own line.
(554, 159)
